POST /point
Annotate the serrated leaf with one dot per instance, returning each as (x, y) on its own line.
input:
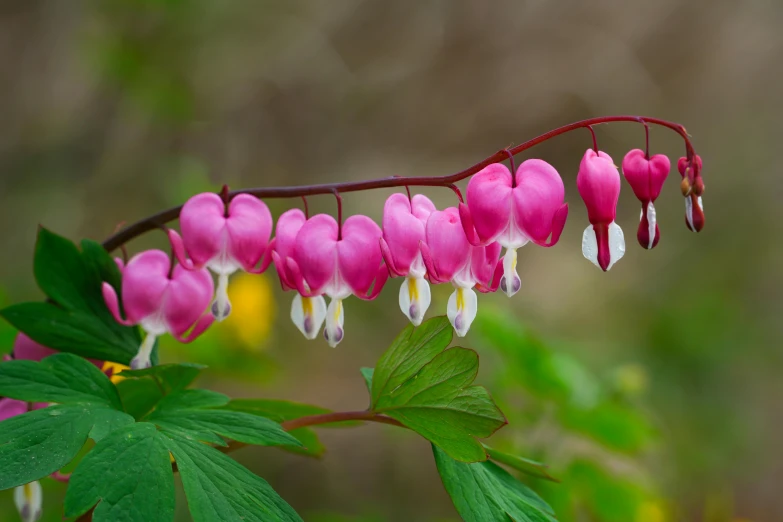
(128, 475)
(193, 411)
(527, 466)
(139, 396)
(281, 411)
(439, 403)
(70, 331)
(219, 489)
(485, 492)
(411, 350)
(367, 374)
(60, 271)
(185, 399)
(172, 377)
(61, 378)
(53, 435)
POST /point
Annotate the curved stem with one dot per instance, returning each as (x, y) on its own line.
(340, 416)
(161, 218)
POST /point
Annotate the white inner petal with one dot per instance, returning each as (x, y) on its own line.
(512, 237)
(616, 244)
(651, 224)
(334, 322)
(461, 309)
(689, 212)
(308, 314)
(221, 307)
(415, 298)
(590, 245)
(223, 263)
(29, 500)
(142, 357)
(510, 283)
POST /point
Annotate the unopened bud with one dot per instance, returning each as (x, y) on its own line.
(685, 187)
(698, 186)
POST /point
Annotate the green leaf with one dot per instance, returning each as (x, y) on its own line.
(61, 378)
(128, 475)
(527, 466)
(485, 492)
(614, 424)
(53, 435)
(281, 411)
(438, 402)
(191, 411)
(219, 489)
(60, 271)
(172, 377)
(70, 331)
(139, 396)
(367, 373)
(411, 350)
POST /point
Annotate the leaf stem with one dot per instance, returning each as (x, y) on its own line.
(340, 416)
(161, 218)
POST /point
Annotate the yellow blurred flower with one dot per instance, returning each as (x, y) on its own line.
(650, 511)
(253, 309)
(113, 369)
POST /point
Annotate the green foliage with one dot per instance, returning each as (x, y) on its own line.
(192, 412)
(527, 466)
(218, 488)
(484, 492)
(428, 389)
(281, 411)
(128, 475)
(170, 377)
(62, 378)
(75, 319)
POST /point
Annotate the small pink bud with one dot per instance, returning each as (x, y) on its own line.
(694, 206)
(161, 302)
(598, 183)
(646, 177)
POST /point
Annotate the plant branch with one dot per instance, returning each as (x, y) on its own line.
(158, 220)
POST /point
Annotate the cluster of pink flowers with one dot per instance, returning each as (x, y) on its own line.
(317, 256)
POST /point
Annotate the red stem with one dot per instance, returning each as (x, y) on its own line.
(595, 141)
(339, 416)
(161, 218)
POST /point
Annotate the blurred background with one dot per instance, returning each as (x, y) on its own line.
(652, 391)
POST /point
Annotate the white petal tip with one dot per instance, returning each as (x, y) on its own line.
(29, 501)
(415, 298)
(615, 247)
(308, 314)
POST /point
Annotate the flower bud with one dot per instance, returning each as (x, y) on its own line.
(646, 177)
(694, 206)
(598, 183)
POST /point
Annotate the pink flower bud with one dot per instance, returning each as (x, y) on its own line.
(598, 183)
(694, 206)
(223, 239)
(11, 408)
(646, 177)
(325, 262)
(161, 301)
(403, 228)
(513, 214)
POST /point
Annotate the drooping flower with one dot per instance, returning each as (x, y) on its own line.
(328, 260)
(161, 300)
(646, 177)
(514, 211)
(223, 238)
(449, 257)
(598, 182)
(29, 501)
(404, 221)
(307, 312)
(692, 189)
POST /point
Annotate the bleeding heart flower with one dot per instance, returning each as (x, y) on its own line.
(513, 212)
(598, 182)
(223, 239)
(161, 300)
(337, 263)
(307, 313)
(692, 189)
(29, 501)
(646, 177)
(449, 257)
(403, 227)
